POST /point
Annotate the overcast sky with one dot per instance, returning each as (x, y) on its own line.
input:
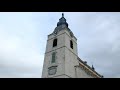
(23, 37)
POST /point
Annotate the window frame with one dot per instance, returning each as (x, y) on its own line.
(53, 57)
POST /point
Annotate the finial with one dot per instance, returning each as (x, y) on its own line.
(62, 21)
(85, 62)
(62, 14)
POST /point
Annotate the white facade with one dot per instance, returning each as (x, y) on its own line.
(66, 58)
(64, 55)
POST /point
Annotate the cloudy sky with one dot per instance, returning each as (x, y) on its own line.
(23, 37)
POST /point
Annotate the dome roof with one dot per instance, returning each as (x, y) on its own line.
(62, 24)
(62, 21)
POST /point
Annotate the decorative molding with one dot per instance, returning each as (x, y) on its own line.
(52, 70)
(89, 68)
(88, 71)
(61, 34)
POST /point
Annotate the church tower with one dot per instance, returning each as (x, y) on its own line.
(61, 57)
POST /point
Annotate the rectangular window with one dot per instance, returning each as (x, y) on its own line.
(53, 57)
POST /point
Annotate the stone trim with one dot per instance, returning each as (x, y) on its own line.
(60, 75)
(88, 68)
(59, 48)
(66, 34)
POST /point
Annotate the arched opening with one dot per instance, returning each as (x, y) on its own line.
(54, 42)
(71, 44)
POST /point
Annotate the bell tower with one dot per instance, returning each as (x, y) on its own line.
(61, 57)
(61, 52)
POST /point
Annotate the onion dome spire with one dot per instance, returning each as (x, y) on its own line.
(62, 21)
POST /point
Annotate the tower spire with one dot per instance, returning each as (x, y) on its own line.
(62, 21)
(62, 14)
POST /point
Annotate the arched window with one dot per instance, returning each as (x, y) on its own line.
(54, 42)
(71, 44)
(53, 57)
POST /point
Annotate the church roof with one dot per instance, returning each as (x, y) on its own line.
(62, 24)
(91, 68)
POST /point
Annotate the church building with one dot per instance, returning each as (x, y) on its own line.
(61, 56)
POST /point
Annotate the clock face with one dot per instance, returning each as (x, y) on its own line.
(52, 70)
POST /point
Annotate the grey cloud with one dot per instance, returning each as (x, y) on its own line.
(98, 42)
(19, 55)
(23, 42)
